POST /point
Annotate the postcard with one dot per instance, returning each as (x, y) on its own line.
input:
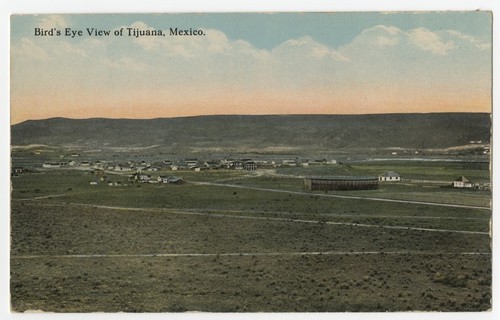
(251, 162)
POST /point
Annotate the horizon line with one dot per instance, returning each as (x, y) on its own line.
(254, 115)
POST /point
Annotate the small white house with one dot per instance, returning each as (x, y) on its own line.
(170, 179)
(121, 167)
(389, 176)
(144, 178)
(237, 165)
(51, 165)
(173, 180)
(289, 163)
(462, 182)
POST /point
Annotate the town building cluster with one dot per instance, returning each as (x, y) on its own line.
(143, 172)
(194, 164)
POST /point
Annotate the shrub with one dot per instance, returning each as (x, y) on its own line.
(453, 280)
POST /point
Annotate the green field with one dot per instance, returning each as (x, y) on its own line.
(419, 170)
(238, 242)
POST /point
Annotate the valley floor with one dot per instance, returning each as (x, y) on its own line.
(247, 244)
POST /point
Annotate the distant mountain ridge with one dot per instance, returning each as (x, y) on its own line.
(406, 130)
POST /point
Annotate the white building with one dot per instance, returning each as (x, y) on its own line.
(121, 167)
(462, 182)
(390, 176)
(52, 165)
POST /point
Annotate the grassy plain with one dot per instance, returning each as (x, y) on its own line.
(51, 272)
(419, 170)
(206, 247)
(414, 191)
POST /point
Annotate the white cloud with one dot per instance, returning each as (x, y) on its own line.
(53, 21)
(430, 41)
(27, 50)
(304, 48)
(386, 41)
(339, 57)
(212, 44)
(390, 30)
(380, 36)
(148, 43)
(68, 49)
(469, 39)
(215, 42)
(247, 49)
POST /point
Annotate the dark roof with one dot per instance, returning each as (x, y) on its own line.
(344, 178)
(462, 179)
(174, 178)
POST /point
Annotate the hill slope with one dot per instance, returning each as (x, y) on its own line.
(436, 130)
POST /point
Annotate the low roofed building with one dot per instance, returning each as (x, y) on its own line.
(341, 183)
(390, 176)
(462, 182)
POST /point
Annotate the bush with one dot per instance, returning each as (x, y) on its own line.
(452, 280)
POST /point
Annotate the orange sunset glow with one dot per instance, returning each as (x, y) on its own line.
(382, 68)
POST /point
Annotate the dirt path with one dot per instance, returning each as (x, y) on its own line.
(231, 216)
(246, 254)
(42, 197)
(341, 196)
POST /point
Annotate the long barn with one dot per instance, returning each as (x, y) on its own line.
(341, 183)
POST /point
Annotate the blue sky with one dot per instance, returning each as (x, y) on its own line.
(329, 63)
(270, 29)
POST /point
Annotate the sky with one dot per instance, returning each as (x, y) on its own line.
(252, 63)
